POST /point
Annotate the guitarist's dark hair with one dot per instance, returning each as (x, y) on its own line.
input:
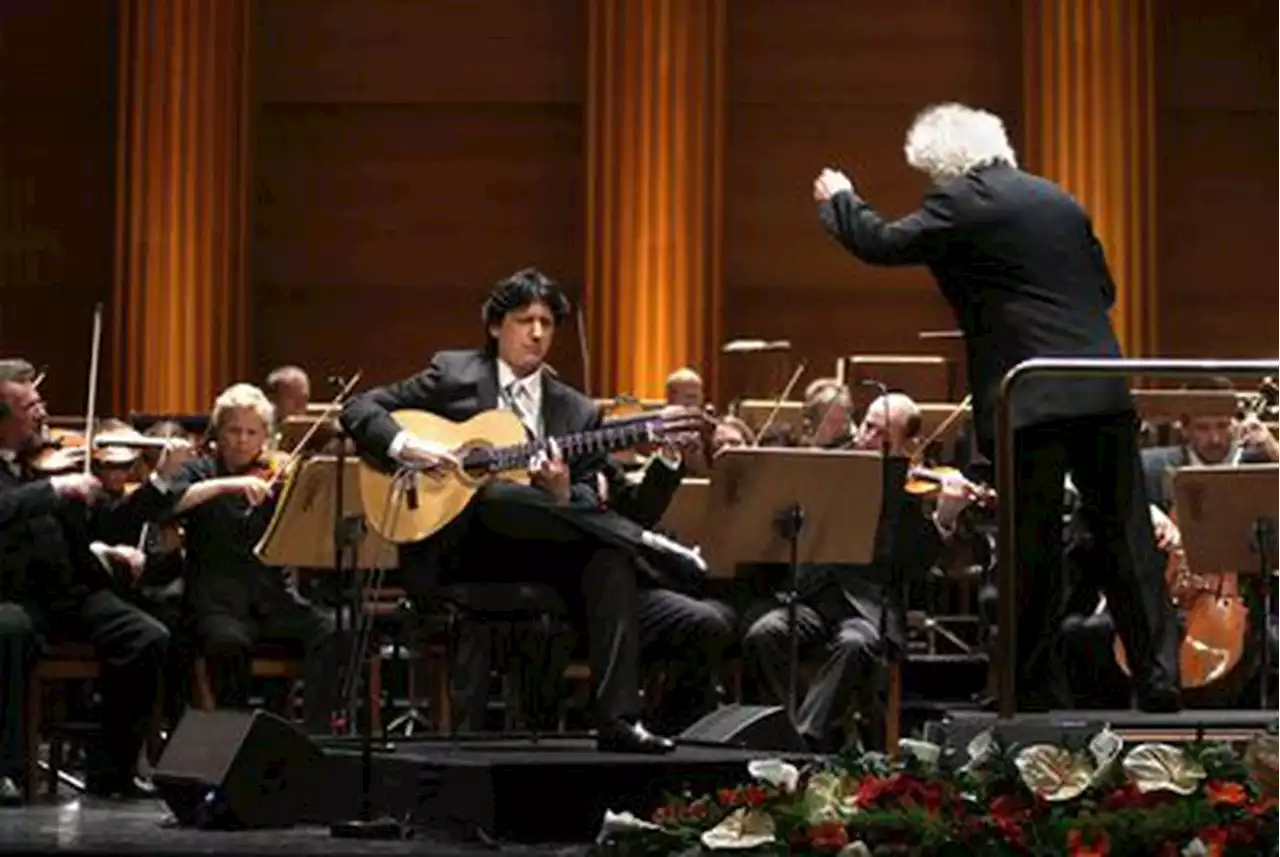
(518, 291)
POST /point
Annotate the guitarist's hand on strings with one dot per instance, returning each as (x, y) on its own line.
(551, 474)
(427, 455)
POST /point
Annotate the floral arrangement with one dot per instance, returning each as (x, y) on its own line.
(1201, 800)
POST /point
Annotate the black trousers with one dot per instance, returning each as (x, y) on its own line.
(512, 533)
(686, 636)
(851, 674)
(132, 646)
(231, 618)
(1101, 455)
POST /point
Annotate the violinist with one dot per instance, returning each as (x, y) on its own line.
(852, 613)
(53, 585)
(234, 599)
(289, 389)
(828, 415)
(684, 387)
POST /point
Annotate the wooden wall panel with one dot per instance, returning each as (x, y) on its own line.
(408, 156)
(816, 83)
(57, 161)
(1217, 178)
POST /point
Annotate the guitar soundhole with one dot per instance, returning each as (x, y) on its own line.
(478, 460)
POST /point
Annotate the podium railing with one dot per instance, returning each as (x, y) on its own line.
(1097, 367)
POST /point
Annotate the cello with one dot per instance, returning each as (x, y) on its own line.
(1215, 626)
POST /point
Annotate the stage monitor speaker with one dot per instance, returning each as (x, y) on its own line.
(752, 727)
(238, 769)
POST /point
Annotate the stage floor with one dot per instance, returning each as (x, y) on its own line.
(86, 825)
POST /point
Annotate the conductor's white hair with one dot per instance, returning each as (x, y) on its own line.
(948, 140)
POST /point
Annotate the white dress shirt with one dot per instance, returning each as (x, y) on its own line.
(522, 395)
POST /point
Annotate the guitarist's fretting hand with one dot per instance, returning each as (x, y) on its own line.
(551, 474)
(428, 455)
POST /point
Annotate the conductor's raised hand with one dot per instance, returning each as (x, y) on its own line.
(550, 473)
(829, 183)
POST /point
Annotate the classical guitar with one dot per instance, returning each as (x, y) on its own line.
(410, 504)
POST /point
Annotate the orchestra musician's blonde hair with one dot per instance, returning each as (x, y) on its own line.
(948, 140)
(240, 397)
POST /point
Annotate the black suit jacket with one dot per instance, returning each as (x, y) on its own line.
(44, 541)
(1017, 259)
(907, 545)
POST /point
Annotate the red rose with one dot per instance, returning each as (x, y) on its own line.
(1095, 845)
(697, 810)
(1225, 792)
(728, 797)
(755, 796)
(830, 834)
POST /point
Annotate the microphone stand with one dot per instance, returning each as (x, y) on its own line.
(347, 533)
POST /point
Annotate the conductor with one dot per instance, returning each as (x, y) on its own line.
(1017, 259)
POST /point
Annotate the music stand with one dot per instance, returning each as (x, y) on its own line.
(310, 528)
(1227, 518)
(686, 514)
(793, 506)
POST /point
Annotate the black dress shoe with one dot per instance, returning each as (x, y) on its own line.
(133, 788)
(622, 737)
(10, 794)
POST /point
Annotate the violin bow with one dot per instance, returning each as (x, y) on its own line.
(90, 411)
(777, 405)
(947, 423)
(322, 418)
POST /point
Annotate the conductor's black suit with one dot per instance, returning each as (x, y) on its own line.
(1017, 259)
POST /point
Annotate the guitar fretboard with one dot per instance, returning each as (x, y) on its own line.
(614, 436)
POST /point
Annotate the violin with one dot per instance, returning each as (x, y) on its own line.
(64, 451)
(268, 466)
(928, 481)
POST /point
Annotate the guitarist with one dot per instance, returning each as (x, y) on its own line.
(553, 530)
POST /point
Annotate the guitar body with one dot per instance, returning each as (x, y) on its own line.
(400, 515)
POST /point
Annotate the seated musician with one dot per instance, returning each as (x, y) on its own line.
(234, 599)
(54, 585)
(150, 552)
(552, 531)
(850, 611)
(1089, 630)
(828, 415)
(289, 389)
(684, 388)
(1206, 440)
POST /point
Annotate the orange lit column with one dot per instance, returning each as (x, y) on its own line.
(655, 105)
(1089, 117)
(180, 301)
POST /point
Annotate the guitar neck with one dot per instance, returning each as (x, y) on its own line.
(618, 435)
